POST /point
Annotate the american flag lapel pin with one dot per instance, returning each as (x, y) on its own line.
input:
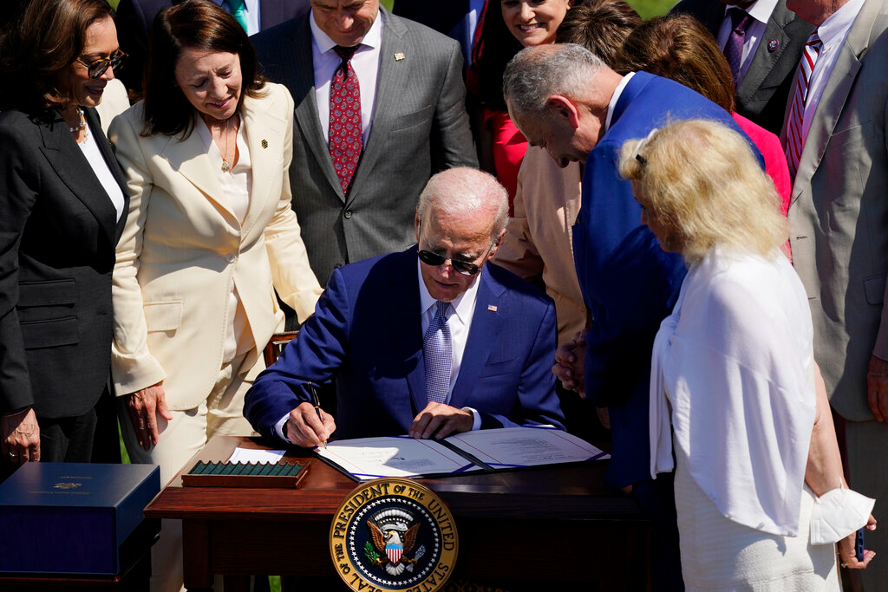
(492, 308)
(399, 56)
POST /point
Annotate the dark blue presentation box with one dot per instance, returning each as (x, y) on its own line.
(71, 517)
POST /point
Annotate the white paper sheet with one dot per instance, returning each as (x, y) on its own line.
(394, 457)
(242, 455)
(524, 446)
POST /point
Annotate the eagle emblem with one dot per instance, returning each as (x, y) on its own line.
(394, 534)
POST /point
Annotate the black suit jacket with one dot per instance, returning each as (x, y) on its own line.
(57, 237)
(762, 94)
(134, 18)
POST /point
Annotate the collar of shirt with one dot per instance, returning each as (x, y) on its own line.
(373, 38)
(615, 98)
(760, 10)
(365, 62)
(463, 306)
(834, 30)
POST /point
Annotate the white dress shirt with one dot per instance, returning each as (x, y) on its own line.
(97, 163)
(760, 12)
(833, 33)
(365, 62)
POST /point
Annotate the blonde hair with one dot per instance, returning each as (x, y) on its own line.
(703, 183)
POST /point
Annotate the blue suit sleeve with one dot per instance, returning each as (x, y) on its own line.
(315, 355)
(632, 285)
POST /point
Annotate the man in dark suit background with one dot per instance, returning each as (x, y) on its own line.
(134, 17)
(772, 44)
(412, 115)
(429, 341)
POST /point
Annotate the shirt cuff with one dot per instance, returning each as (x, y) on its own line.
(476, 417)
(279, 428)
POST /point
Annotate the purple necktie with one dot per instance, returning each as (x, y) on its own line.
(437, 356)
(734, 47)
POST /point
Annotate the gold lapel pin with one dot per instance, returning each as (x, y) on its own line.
(492, 308)
(399, 56)
(265, 143)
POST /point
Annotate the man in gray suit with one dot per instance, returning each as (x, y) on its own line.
(413, 123)
(838, 233)
(771, 48)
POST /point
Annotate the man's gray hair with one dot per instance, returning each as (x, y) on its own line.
(536, 73)
(463, 190)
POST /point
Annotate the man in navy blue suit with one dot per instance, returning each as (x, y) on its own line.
(430, 341)
(565, 99)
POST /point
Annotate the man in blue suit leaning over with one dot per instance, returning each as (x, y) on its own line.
(430, 341)
(565, 99)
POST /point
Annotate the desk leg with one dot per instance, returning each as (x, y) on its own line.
(196, 555)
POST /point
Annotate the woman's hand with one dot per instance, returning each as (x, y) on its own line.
(846, 549)
(21, 437)
(143, 406)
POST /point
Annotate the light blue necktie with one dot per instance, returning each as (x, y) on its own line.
(437, 356)
(236, 7)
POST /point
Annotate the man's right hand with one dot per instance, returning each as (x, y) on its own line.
(144, 406)
(304, 429)
(569, 363)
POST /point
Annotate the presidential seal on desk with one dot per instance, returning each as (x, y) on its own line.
(393, 534)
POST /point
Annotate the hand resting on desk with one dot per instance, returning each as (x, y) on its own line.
(439, 420)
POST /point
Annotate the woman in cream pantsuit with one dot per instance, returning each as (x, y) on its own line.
(210, 237)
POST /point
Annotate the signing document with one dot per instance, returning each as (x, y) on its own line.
(481, 450)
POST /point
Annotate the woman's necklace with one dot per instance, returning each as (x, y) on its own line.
(80, 126)
(226, 165)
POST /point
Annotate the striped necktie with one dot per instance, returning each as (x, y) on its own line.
(437, 356)
(794, 136)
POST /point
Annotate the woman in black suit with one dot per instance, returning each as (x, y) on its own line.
(62, 203)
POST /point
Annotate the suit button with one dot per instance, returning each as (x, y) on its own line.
(347, 214)
(230, 257)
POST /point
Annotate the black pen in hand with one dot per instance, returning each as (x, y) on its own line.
(317, 403)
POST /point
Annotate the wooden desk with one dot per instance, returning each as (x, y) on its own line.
(555, 527)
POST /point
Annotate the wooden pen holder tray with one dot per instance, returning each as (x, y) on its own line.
(226, 474)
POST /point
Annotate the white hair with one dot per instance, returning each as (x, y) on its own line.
(536, 73)
(463, 190)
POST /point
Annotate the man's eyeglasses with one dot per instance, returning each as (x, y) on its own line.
(433, 259)
(97, 68)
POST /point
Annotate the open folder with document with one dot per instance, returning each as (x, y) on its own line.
(480, 450)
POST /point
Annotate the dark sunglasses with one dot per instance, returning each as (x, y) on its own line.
(433, 259)
(97, 68)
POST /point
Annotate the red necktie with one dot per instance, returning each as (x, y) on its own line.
(344, 132)
(793, 136)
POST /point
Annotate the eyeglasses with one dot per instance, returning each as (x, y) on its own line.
(97, 68)
(433, 259)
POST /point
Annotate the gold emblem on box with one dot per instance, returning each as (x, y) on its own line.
(66, 485)
(393, 534)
